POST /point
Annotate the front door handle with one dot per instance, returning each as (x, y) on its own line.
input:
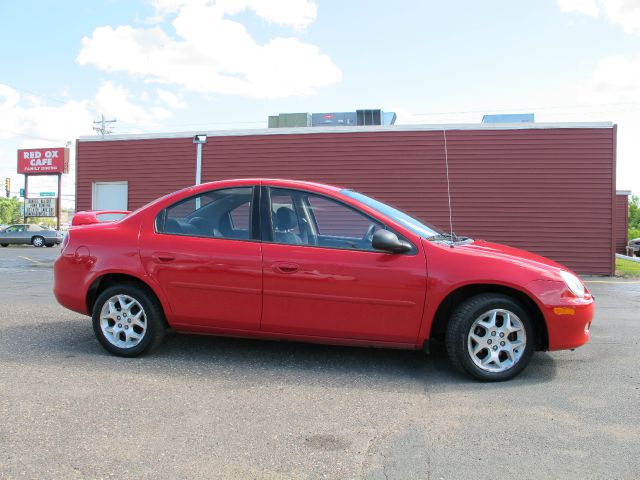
(285, 267)
(162, 257)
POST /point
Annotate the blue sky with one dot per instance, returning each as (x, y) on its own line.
(171, 65)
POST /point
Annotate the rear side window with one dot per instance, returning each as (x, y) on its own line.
(224, 213)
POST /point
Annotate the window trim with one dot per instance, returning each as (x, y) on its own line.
(161, 217)
(268, 232)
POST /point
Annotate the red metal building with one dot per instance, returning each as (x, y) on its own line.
(547, 188)
(621, 221)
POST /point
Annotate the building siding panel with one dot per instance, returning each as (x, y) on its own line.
(545, 190)
(621, 222)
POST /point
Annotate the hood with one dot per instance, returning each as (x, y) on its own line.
(515, 256)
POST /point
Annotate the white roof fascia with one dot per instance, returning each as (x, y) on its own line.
(360, 129)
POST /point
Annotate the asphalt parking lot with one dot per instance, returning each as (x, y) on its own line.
(204, 407)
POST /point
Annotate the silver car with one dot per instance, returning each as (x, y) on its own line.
(27, 234)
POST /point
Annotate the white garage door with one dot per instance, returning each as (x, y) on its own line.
(110, 196)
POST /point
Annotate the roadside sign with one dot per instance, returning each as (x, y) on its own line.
(22, 193)
(39, 207)
(47, 194)
(43, 160)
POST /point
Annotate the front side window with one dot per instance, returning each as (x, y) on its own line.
(303, 218)
(224, 213)
(410, 223)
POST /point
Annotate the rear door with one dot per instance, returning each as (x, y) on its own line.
(204, 255)
(323, 278)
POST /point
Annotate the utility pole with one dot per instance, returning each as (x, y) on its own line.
(102, 126)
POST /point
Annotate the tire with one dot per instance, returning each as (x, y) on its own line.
(4, 244)
(149, 332)
(490, 353)
(37, 241)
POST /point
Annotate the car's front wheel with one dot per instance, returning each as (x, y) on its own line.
(4, 244)
(490, 337)
(128, 320)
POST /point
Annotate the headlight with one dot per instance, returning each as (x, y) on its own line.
(573, 283)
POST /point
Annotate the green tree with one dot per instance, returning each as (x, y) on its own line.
(10, 210)
(634, 217)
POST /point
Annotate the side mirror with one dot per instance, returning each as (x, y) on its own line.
(389, 242)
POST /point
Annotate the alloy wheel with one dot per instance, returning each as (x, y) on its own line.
(123, 321)
(496, 340)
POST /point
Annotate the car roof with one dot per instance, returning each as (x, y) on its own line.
(279, 182)
(231, 183)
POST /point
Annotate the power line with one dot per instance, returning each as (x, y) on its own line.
(36, 94)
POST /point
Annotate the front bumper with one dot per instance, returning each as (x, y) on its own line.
(568, 318)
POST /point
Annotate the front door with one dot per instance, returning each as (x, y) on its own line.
(323, 278)
(15, 234)
(203, 255)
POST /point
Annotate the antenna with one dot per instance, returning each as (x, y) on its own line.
(446, 162)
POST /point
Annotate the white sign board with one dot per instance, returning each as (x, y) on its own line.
(39, 207)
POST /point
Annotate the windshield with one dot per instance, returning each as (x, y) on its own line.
(402, 218)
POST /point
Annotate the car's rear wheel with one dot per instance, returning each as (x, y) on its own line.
(37, 241)
(128, 320)
(4, 244)
(490, 337)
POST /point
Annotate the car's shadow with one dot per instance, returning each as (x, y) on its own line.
(253, 361)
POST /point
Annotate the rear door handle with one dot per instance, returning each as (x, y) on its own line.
(162, 257)
(285, 267)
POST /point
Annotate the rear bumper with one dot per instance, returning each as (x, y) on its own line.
(69, 285)
(568, 318)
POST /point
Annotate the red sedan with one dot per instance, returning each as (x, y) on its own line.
(302, 261)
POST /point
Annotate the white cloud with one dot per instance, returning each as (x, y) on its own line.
(616, 79)
(213, 54)
(172, 100)
(293, 13)
(27, 116)
(587, 7)
(115, 101)
(625, 13)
